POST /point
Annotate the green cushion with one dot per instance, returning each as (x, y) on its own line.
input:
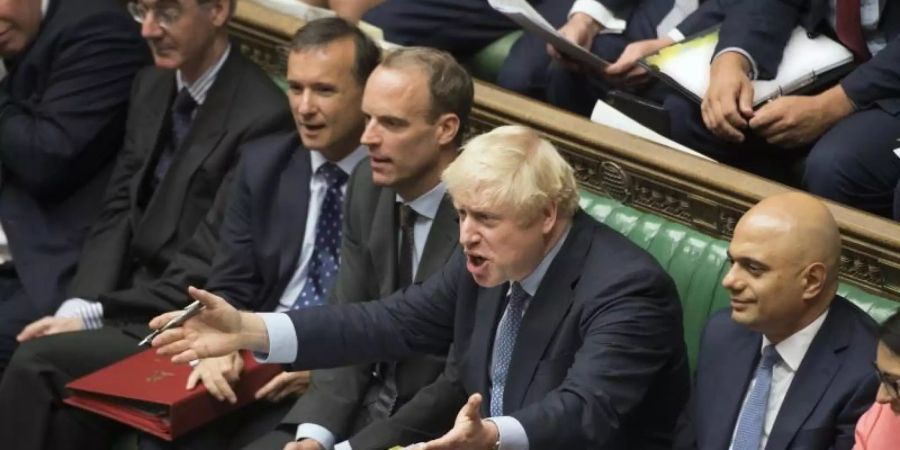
(487, 62)
(697, 263)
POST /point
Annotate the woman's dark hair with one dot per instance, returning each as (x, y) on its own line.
(889, 333)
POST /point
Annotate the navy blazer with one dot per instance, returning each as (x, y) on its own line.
(62, 120)
(762, 28)
(600, 359)
(710, 14)
(262, 232)
(833, 386)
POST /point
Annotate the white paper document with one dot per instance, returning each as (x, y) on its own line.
(296, 8)
(805, 59)
(613, 118)
(523, 14)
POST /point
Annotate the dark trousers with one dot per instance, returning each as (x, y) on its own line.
(754, 155)
(461, 27)
(854, 163)
(32, 415)
(16, 311)
(529, 70)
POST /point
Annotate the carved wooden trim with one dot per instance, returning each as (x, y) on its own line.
(698, 193)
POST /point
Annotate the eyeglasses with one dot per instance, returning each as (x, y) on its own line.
(890, 383)
(165, 15)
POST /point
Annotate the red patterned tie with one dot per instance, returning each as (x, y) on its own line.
(849, 29)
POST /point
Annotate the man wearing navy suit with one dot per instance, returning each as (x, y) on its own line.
(789, 365)
(603, 27)
(265, 238)
(69, 67)
(849, 127)
(565, 334)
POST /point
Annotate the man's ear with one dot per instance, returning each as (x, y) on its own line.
(814, 278)
(549, 216)
(220, 11)
(447, 127)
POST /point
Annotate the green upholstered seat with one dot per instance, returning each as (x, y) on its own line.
(697, 263)
(486, 63)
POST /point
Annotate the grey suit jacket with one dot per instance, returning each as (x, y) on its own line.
(369, 252)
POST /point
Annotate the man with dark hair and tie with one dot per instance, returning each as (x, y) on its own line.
(399, 227)
(66, 70)
(564, 334)
(850, 127)
(789, 365)
(189, 116)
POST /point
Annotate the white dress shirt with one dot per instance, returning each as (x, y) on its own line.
(426, 207)
(317, 188)
(791, 350)
(613, 24)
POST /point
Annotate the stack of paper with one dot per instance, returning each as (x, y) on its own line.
(522, 13)
(686, 64)
(613, 118)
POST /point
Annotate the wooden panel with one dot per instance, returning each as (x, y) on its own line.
(698, 193)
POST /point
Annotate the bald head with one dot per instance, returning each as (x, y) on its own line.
(800, 227)
(785, 260)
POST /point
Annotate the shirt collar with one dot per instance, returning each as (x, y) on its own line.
(198, 89)
(427, 204)
(531, 282)
(44, 5)
(793, 349)
(347, 164)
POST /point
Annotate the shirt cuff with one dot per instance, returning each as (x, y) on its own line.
(282, 339)
(317, 433)
(343, 446)
(753, 70)
(90, 312)
(512, 433)
(675, 35)
(603, 16)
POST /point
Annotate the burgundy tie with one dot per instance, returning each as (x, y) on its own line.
(849, 29)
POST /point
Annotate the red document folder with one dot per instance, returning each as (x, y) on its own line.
(146, 391)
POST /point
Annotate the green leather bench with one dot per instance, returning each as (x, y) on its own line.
(697, 263)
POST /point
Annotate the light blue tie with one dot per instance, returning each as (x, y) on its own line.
(750, 425)
(504, 343)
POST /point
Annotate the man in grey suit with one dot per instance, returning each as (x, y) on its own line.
(399, 227)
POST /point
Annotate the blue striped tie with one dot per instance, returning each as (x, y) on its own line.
(753, 415)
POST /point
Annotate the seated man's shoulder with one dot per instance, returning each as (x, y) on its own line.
(272, 152)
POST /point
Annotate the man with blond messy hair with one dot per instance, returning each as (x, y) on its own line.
(565, 334)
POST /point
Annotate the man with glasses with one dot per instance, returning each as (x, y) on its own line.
(67, 68)
(788, 366)
(189, 116)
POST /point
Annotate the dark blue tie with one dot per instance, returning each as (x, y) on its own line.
(323, 266)
(504, 344)
(182, 115)
(748, 435)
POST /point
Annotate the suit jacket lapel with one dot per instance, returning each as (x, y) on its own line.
(489, 308)
(812, 379)
(207, 130)
(383, 247)
(289, 214)
(547, 309)
(727, 386)
(441, 240)
(155, 117)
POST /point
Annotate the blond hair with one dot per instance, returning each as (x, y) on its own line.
(513, 167)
